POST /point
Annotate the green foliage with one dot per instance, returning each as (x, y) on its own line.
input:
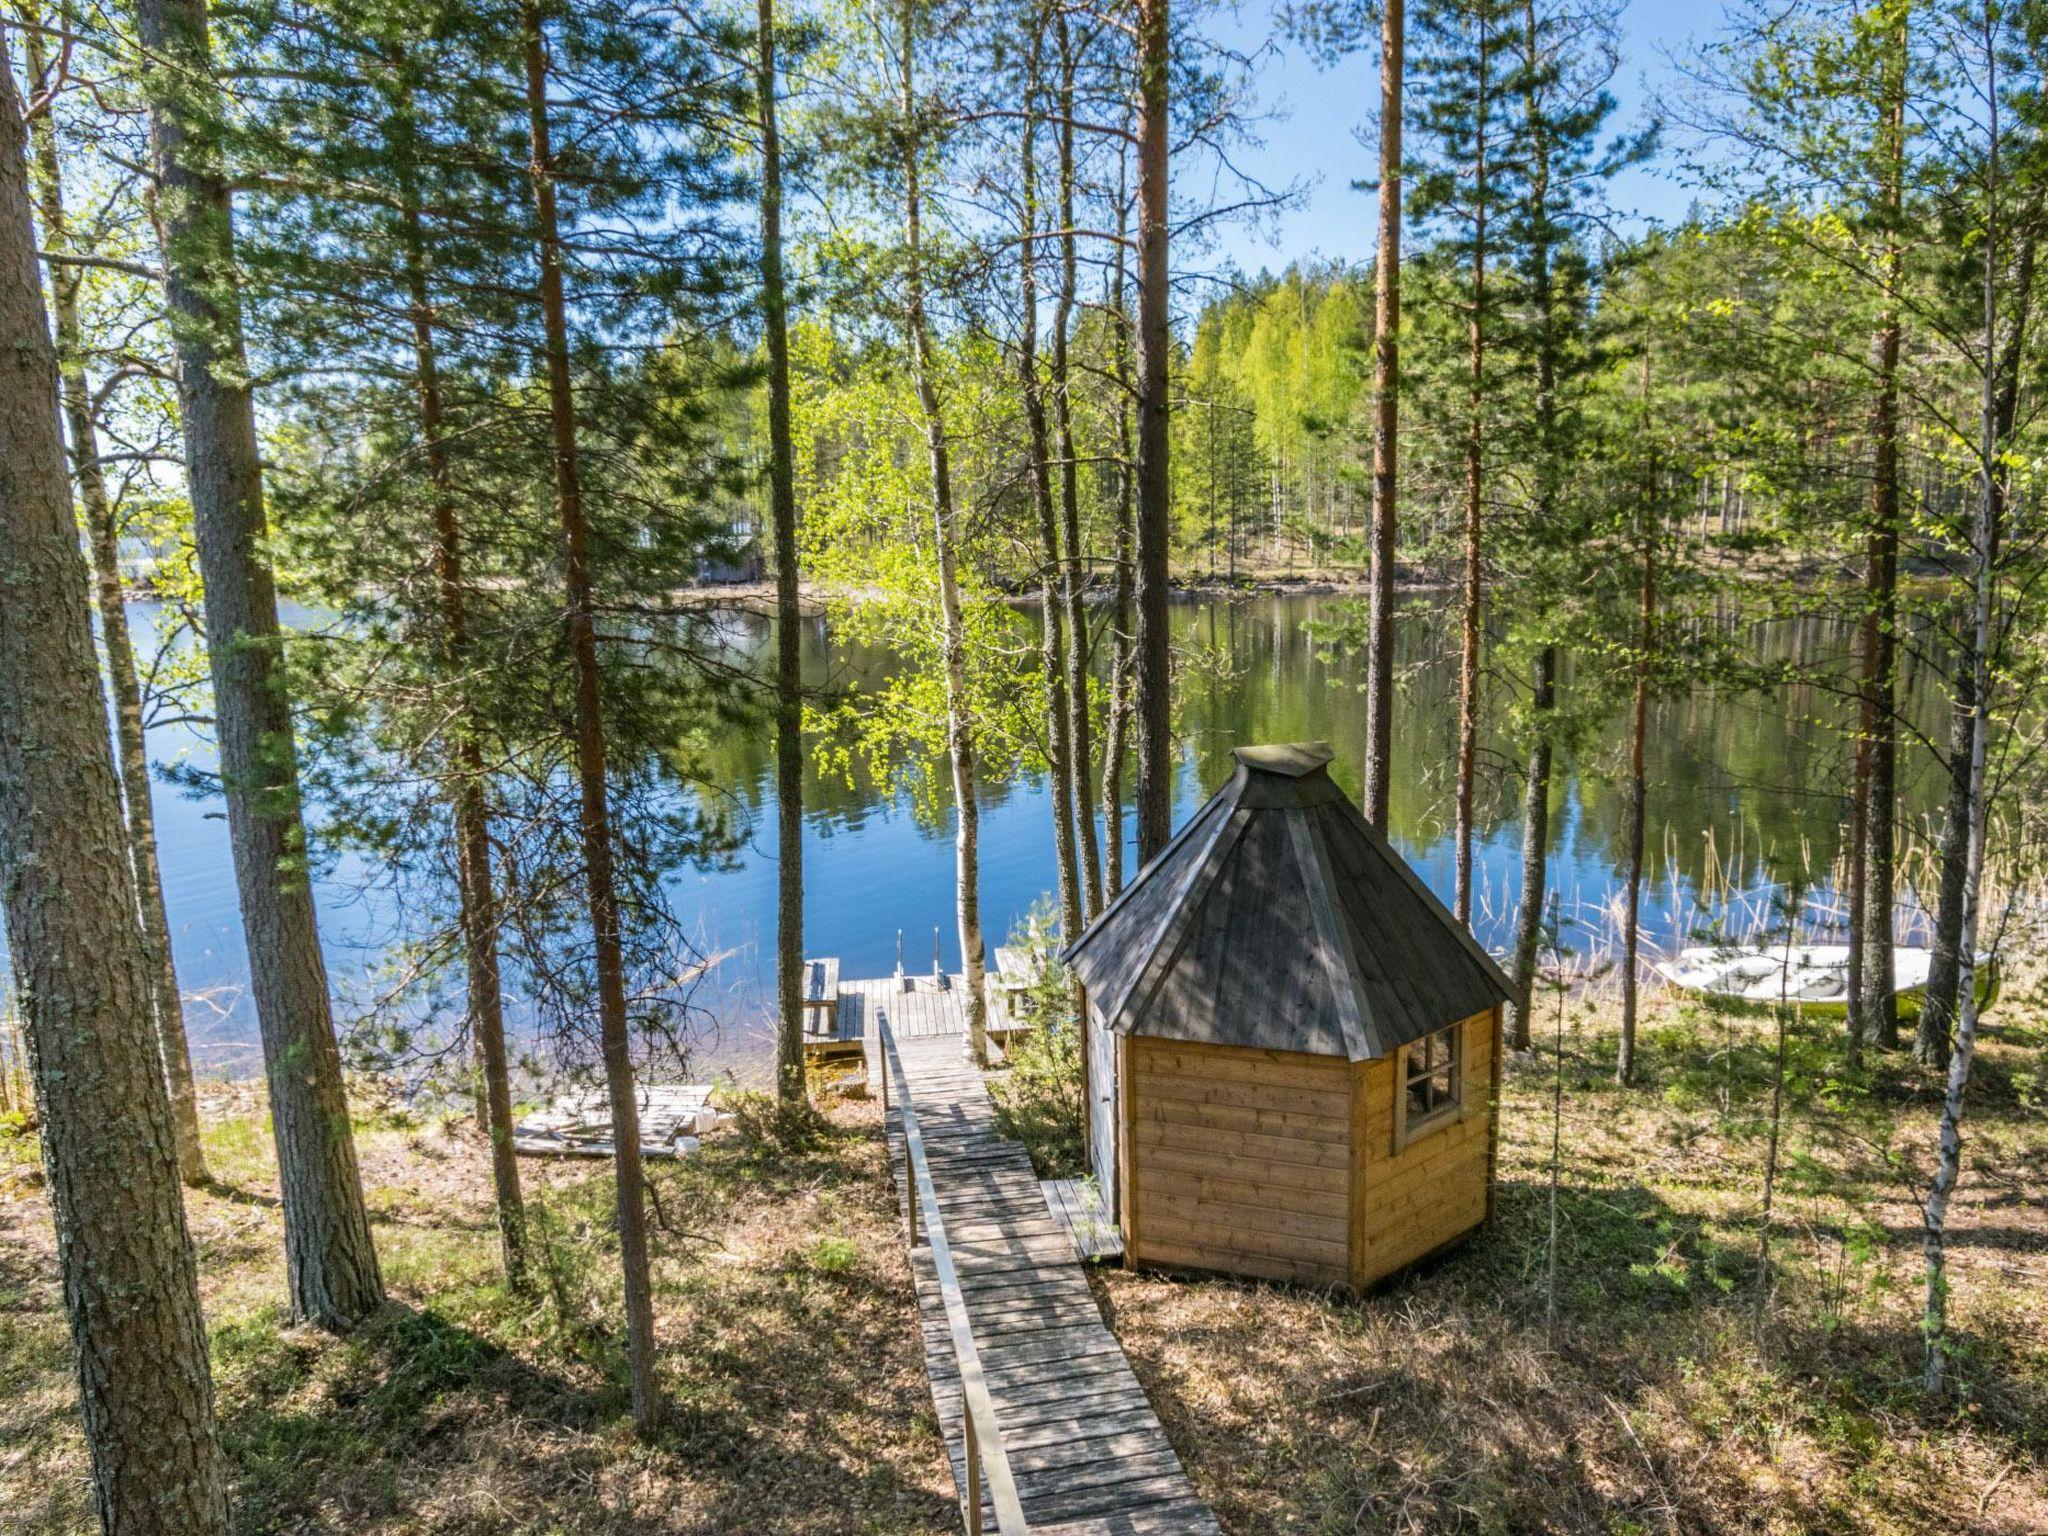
(1038, 1095)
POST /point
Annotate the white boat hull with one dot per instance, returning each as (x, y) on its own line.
(1812, 977)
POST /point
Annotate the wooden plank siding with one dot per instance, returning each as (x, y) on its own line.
(1237, 1159)
(1409, 1202)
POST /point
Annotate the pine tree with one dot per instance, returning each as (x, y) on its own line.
(789, 743)
(1462, 184)
(331, 1259)
(1152, 482)
(82, 965)
(103, 536)
(1562, 68)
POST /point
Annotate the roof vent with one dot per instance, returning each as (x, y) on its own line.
(1294, 759)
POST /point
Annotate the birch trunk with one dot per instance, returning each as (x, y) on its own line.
(1949, 1154)
(1081, 747)
(959, 711)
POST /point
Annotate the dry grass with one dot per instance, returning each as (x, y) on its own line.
(789, 1343)
(1438, 1404)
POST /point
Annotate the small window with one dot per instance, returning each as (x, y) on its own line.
(1430, 1086)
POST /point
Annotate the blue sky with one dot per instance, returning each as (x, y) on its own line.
(1316, 139)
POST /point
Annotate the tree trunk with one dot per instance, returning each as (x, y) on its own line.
(1949, 1158)
(1638, 783)
(103, 539)
(1475, 501)
(83, 973)
(1873, 1007)
(595, 818)
(1121, 650)
(1154, 488)
(1081, 744)
(1386, 386)
(1535, 844)
(959, 708)
(1052, 600)
(469, 787)
(330, 1259)
(1938, 1011)
(1543, 701)
(789, 701)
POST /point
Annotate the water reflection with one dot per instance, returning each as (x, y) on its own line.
(1745, 790)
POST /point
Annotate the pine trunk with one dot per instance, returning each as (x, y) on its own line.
(789, 698)
(103, 539)
(1543, 700)
(594, 821)
(1386, 385)
(1154, 489)
(468, 790)
(330, 1259)
(1535, 845)
(82, 968)
(1475, 503)
(1638, 783)
(959, 708)
(1873, 1007)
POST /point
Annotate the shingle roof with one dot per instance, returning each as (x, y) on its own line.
(1277, 917)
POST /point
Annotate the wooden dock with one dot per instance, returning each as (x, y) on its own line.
(1087, 1453)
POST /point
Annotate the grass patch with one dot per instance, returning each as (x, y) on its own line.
(1438, 1404)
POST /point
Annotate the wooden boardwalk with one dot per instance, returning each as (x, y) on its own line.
(1088, 1453)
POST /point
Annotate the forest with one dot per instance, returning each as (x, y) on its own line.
(526, 525)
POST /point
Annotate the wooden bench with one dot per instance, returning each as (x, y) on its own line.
(1015, 974)
(821, 999)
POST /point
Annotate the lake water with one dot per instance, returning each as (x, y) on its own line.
(1744, 788)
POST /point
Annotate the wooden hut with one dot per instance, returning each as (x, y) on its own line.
(1293, 1048)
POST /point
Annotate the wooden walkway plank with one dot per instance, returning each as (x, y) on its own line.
(1087, 1451)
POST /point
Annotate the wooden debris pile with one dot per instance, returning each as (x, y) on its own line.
(673, 1119)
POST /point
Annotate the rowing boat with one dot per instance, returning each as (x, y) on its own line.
(1812, 977)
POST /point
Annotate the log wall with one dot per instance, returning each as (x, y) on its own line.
(1415, 1199)
(1240, 1160)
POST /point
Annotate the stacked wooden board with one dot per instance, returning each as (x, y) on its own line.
(580, 1124)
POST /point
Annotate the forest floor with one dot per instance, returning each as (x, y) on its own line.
(1660, 1403)
(1439, 1403)
(788, 1330)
